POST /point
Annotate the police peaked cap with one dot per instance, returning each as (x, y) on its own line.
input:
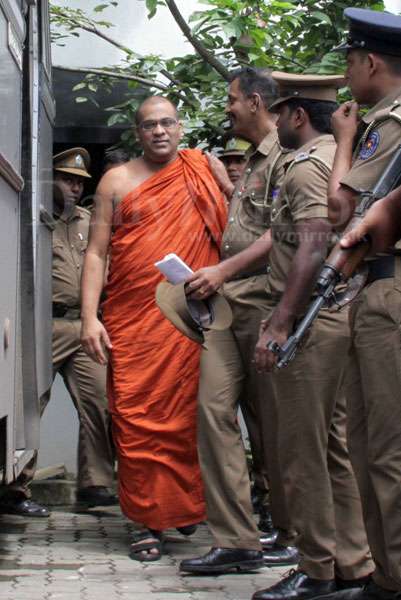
(75, 161)
(372, 30)
(322, 88)
(235, 147)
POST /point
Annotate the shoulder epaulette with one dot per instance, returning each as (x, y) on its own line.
(84, 210)
(304, 156)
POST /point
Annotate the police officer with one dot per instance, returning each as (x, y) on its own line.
(234, 158)
(227, 375)
(374, 379)
(320, 487)
(84, 379)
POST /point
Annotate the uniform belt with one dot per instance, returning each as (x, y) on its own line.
(262, 271)
(381, 268)
(62, 311)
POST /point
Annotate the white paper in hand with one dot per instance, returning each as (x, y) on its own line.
(174, 269)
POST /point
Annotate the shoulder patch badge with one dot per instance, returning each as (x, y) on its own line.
(370, 146)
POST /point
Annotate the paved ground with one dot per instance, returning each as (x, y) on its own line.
(83, 556)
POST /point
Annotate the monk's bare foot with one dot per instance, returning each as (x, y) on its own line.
(147, 546)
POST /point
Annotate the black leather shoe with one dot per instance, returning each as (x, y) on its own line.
(96, 495)
(297, 586)
(23, 507)
(281, 556)
(350, 589)
(268, 539)
(371, 591)
(221, 560)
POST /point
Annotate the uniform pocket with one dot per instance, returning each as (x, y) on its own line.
(58, 250)
(253, 215)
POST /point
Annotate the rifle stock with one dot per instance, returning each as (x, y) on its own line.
(341, 263)
(346, 260)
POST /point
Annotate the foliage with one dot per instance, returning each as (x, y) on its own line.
(290, 35)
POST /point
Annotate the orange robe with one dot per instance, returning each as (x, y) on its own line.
(154, 370)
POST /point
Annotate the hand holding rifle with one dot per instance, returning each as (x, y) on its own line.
(377, 218)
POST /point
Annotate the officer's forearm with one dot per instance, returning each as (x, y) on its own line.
(92, 284)
(250, 259)
(300, 283)
(340, 203)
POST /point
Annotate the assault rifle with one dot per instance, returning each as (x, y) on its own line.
(341, 263)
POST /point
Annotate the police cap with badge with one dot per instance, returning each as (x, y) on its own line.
(192, 317)
(75, 161)
(373, 31)
(305, 86)
(321, 88)
(235, 146)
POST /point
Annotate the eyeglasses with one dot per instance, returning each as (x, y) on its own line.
(166, 123)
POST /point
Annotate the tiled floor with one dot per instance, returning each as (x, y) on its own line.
(84, 556)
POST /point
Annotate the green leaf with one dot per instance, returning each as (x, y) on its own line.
(100, 8)
(79, 86)
(320, 16)
(113, 119)
(151, 5)
(81, 99)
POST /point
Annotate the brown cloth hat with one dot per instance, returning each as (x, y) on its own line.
(75, 160)
(192, 317)
(310, 87)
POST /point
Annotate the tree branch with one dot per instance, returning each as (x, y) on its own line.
(199, 47)
(93, 29)
(146, 82)
(105, 73)
(286, 58)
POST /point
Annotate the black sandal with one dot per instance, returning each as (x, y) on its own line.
(140, 549)
(187, 529)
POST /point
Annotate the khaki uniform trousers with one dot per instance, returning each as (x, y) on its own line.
(319, 483)
(259, 472)
(86, 383)
(227, 377)
(374, 429)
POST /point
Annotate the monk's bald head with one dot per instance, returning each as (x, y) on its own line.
(152, 102)
(158, 130)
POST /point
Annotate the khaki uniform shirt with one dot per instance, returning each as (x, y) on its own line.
(303, 195)
(249, 213)
(375, 147)
(70, 239)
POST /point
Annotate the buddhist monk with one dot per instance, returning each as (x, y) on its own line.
(165, 201)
